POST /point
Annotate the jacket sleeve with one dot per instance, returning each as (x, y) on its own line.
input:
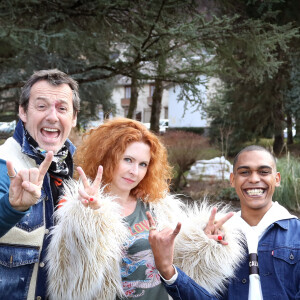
(85, 249)
(9, 217)
(207, 262)
(186, 288)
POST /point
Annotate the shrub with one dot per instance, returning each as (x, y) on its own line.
(288, 194)
(184, 148)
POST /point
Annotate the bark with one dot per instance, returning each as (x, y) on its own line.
(297, 129)
(289, 124)
(133, 98)
(156, 106)
(278, 144)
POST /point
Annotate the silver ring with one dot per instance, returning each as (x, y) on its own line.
(152, 228)
(11, 176)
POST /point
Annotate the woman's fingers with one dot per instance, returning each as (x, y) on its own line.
(97, 182)
(83, 178)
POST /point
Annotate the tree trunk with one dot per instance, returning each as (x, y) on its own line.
(297, 136)
(279, 125)
(133, 98)
(289, 124)
(156, 106)
(157, 96)
(278, 144)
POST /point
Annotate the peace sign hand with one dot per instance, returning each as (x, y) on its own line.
(213, 227)
(89, 193)
(25, 186)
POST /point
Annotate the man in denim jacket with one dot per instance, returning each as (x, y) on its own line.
(271, 268)
(33, 164)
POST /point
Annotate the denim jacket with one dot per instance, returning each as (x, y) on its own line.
(24, 235)
(279, 268)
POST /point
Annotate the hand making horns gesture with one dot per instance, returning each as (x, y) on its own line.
(25, 186)
(88, 195)
(162, 244)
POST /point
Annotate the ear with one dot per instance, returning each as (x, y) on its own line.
(74, 121)
(232, 179)
(277, 179)
(22, 114)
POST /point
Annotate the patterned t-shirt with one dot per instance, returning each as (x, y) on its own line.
(139, 275)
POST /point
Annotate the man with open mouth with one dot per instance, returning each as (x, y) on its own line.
(33, 164)
(271, 265)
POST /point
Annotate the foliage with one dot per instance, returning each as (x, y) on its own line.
(184, 149)
(198, 130)
(288, 194)
(227, 194)
(170, 41)
(256, 105)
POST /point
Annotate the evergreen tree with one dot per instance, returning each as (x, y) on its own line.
(258, 103)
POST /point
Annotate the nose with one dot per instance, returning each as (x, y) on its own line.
(52, 115)
(254, 177)
(134, 170)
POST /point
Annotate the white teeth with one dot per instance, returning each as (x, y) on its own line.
(255, 192)
(50, 129)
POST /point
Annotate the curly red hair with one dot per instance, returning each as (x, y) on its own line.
(106, 144)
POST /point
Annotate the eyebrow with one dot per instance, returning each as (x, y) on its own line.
(129, 156)
(46, 99)
(260, 167)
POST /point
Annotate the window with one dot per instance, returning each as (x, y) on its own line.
(152, 88)
(127, 92)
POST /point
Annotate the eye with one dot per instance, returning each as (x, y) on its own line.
(63, 109)
(244, 173)
(128, 159)
(41, 106)
(143, 164)
(265, 172)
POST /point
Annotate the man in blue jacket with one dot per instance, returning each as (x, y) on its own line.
(271, 268)
(33, 164)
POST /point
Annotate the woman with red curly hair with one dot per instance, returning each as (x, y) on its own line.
(99, 247)
(105, 146)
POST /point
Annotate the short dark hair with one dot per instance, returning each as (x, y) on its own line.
(253, 148)
(54, 77)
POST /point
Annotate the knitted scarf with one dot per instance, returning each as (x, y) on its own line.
(59, 169)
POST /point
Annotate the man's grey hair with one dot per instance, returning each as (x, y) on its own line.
(54, 77)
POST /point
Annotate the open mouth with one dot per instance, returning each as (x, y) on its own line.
(255, 192)
(50, 132)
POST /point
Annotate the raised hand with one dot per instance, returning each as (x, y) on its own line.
(25, 186)
(162, 244)
(213, 227)
(88, 195)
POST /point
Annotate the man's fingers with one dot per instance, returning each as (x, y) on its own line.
(32, 189)
(34, 175)
(10, 169)
(45, 165)
(150, 219)
(97, 182)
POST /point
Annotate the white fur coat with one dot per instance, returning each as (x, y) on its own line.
(85, 251)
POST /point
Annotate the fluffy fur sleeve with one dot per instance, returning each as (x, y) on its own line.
(208, 262)
(85, 249)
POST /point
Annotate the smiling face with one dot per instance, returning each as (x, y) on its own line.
(131, 169)
(254, 179)
(50, 115)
